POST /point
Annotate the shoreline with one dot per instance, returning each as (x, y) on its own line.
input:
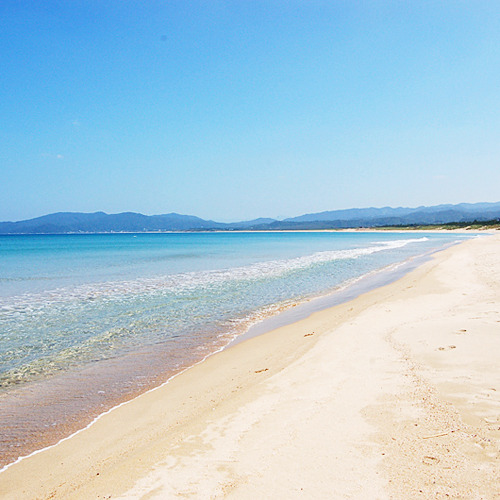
(236, 231)
(267, 349)
(284, 315)
(344, 293)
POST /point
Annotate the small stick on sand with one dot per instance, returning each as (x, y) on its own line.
(440, 434)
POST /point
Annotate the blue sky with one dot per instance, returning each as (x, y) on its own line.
(240, 109)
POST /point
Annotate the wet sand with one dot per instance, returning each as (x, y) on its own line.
(395, 394)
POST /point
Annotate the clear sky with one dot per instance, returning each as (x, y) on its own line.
(233, 110)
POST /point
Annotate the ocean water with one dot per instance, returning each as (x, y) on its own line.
(87, 321)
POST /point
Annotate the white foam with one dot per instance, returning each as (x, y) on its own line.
(184, 282)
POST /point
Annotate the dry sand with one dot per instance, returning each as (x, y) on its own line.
(393, 395)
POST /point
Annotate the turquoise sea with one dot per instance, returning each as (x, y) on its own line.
(88, 321)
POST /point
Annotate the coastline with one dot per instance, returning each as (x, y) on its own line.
(187, 423)
(229, 231)
(346, 292)
(37, 415)
(75, 384)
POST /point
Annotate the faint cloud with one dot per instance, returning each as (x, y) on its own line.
(76, 123)
(439, 177)
(52, 156)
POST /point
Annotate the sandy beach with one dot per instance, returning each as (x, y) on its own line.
(395, 394)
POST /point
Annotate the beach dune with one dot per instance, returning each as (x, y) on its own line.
(395, 394)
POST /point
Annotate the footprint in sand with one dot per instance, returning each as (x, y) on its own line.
(447, 348)
(428, 460)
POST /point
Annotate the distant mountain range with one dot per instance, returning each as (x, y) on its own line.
(100, 222)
